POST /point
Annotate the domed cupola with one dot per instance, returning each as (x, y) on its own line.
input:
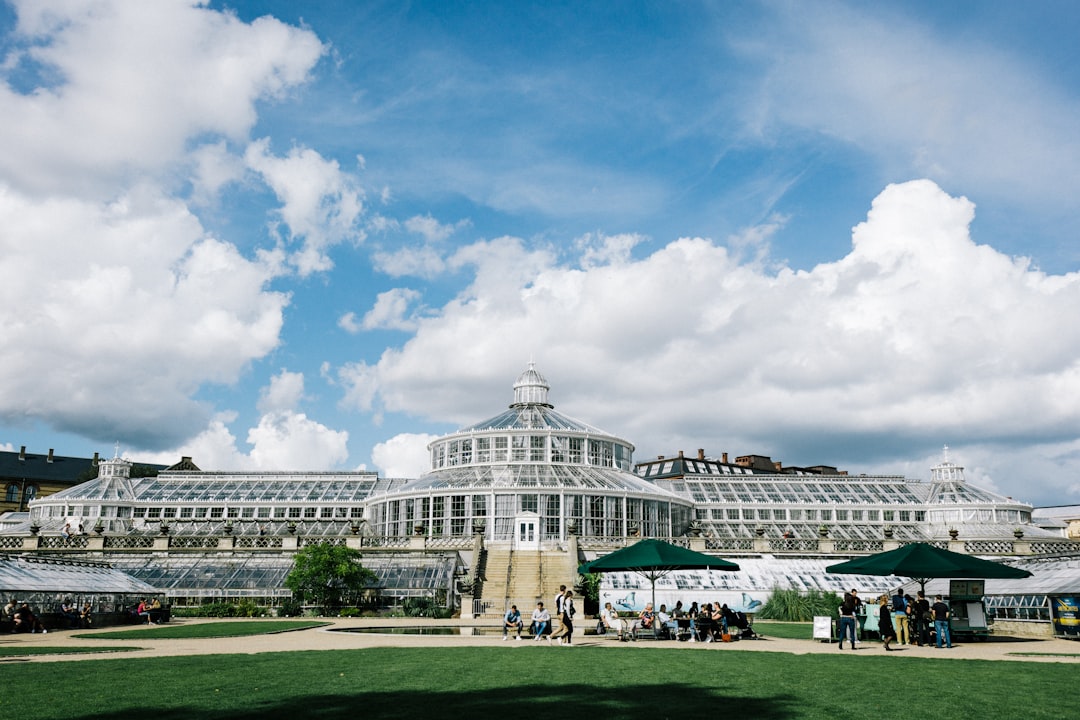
(531, 388)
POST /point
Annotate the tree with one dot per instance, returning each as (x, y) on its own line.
(328, 575)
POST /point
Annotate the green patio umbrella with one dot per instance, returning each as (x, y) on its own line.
(922, 561)
(654, 559)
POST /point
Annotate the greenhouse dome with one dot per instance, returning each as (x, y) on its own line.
(530, 461)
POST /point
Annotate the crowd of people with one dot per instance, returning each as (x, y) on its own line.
(22, 618)
(711, 621)
(902, 619)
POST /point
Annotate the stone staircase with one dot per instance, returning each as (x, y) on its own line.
(521, 577)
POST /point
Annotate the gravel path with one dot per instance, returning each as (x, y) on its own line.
(330, 638)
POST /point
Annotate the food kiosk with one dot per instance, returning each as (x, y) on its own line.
(967, 611)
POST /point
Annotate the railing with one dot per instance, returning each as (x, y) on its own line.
(989, 547)
(10, 542)
(792, 545)
(54, 542)
(314, 540)
(743, 544)
(128, 542)
(193, 542)
(259, 542)
(450, 543)
(866, 546)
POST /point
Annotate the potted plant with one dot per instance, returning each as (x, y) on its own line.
(823, 531)
(889, 532)
(1018, 533)
(953, 533)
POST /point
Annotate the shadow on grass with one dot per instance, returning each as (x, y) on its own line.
(564, 702)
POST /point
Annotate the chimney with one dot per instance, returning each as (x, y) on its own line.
(94, 462)
(723, 458)
(680, 455)
(778, 465)
(701, 453)
(22, 453)
(50, 458)
(659, 457)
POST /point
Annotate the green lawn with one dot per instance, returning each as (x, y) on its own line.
(235, 628)
(792, 630)
(521, 680)
(25, 650)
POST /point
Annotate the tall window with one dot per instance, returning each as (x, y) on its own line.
(12, 493)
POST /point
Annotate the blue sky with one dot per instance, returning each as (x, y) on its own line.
(315, 236)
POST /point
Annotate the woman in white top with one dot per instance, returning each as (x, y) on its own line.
(612, 621)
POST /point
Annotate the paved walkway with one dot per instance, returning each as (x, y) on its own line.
(330, 638)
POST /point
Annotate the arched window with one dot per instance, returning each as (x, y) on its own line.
(31, 492)
(12, 493)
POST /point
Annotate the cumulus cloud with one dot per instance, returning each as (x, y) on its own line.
(403, 455)
(392, 311)
(120, 311)
(321, 204)
(429, 228)
(285, 391)
(292, 441)
(97, 115)
(282, 440)
(917, 336)
(122, 305)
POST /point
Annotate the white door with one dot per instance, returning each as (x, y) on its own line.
(527, 536)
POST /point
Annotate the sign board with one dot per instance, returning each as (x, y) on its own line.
(823, 628)
(966, 588)
(1065, 614)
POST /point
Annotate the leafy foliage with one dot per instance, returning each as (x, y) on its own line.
(329, 576)
(796, 606)
(244, 608)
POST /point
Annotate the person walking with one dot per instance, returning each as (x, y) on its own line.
(565, 633)
(556, 604)
(900, 617)
(885, 625)
(847, 619)
(941, 622)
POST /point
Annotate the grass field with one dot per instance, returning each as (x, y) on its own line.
(525, 681)
(27, 650)
(234, 628)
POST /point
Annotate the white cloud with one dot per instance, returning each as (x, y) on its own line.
(291, 441)
(134, 83)
(918, 336)
(948, 107)
(349, 323)
(600, 249)
(392, 311)
(282, 440)
(403, 456)
(121, 311)
(121, 304)
(422, 262)
(284, 393)
(321, 204)
(429, 228)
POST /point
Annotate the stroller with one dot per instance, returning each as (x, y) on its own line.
(739, 625)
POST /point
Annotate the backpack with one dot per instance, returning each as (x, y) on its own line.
(899, 605)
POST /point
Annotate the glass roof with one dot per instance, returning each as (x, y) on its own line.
(209, 575)
(785, 489)
(535, 475)
(25, 575)
(531, 410)
(238, 488)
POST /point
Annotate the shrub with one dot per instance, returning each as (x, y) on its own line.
(797, 606)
